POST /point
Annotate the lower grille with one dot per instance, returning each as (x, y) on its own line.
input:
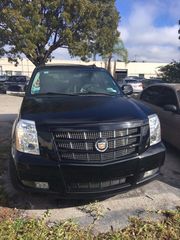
(98, 157)
(80, 145)
(97, 186)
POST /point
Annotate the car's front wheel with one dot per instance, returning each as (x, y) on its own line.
(13, 174)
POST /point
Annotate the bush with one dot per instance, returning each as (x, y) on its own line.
(171, 72)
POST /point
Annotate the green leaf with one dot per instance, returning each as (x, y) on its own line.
(39, 27)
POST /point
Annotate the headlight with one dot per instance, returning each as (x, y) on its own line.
(26, 137)
(155, 129)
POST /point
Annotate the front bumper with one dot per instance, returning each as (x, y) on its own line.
(81, 181)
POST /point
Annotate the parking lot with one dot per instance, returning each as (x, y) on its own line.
(162, 193)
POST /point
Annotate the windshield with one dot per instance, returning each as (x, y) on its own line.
(17, 79)
(131, 81)
(73, 82)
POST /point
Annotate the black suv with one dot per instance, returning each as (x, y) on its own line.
(78, 135)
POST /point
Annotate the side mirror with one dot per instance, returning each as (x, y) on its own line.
(170, 108)
(127, 89)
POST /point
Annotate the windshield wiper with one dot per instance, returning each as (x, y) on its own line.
(96, 93)
(75, 94)
(54, 93)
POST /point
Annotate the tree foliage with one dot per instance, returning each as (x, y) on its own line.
(38, 27)
(171, 72)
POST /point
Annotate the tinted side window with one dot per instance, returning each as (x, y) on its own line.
(131, 81)
(20, 79)
(169, 97)
(159, 96)
(152, 95)
(17, 79)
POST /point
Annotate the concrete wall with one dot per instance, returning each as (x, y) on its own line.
(134, 68)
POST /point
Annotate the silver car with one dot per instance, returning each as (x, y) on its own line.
(135, 83)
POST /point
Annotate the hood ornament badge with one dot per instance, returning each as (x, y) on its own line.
(101, 145)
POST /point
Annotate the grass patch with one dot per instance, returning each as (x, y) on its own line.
(24, 228)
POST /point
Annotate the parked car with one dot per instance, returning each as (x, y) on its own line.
(79, 136)
(135, 83)
(148, 82)
(135, 78)
(16, 83)
(164, 99)
(3, 78)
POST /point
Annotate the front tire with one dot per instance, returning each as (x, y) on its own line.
(13, 175)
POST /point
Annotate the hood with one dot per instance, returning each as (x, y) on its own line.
(81, 109)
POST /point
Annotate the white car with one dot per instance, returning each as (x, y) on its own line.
(136, 84)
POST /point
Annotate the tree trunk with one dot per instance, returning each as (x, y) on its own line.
(109, 63)
(114, 71)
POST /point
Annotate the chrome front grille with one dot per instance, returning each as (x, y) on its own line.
(89, 146)
(80, 145)
(94, 135)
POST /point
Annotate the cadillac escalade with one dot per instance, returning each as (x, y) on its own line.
(79, 135)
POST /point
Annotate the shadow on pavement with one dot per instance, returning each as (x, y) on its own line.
(171, 169)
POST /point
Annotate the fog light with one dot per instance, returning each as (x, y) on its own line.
(42, 185)
(150, 172)
(28, 183)
(122, 180)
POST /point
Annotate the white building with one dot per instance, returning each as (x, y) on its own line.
(25, 67)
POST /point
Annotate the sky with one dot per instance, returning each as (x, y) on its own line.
(148, 28)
